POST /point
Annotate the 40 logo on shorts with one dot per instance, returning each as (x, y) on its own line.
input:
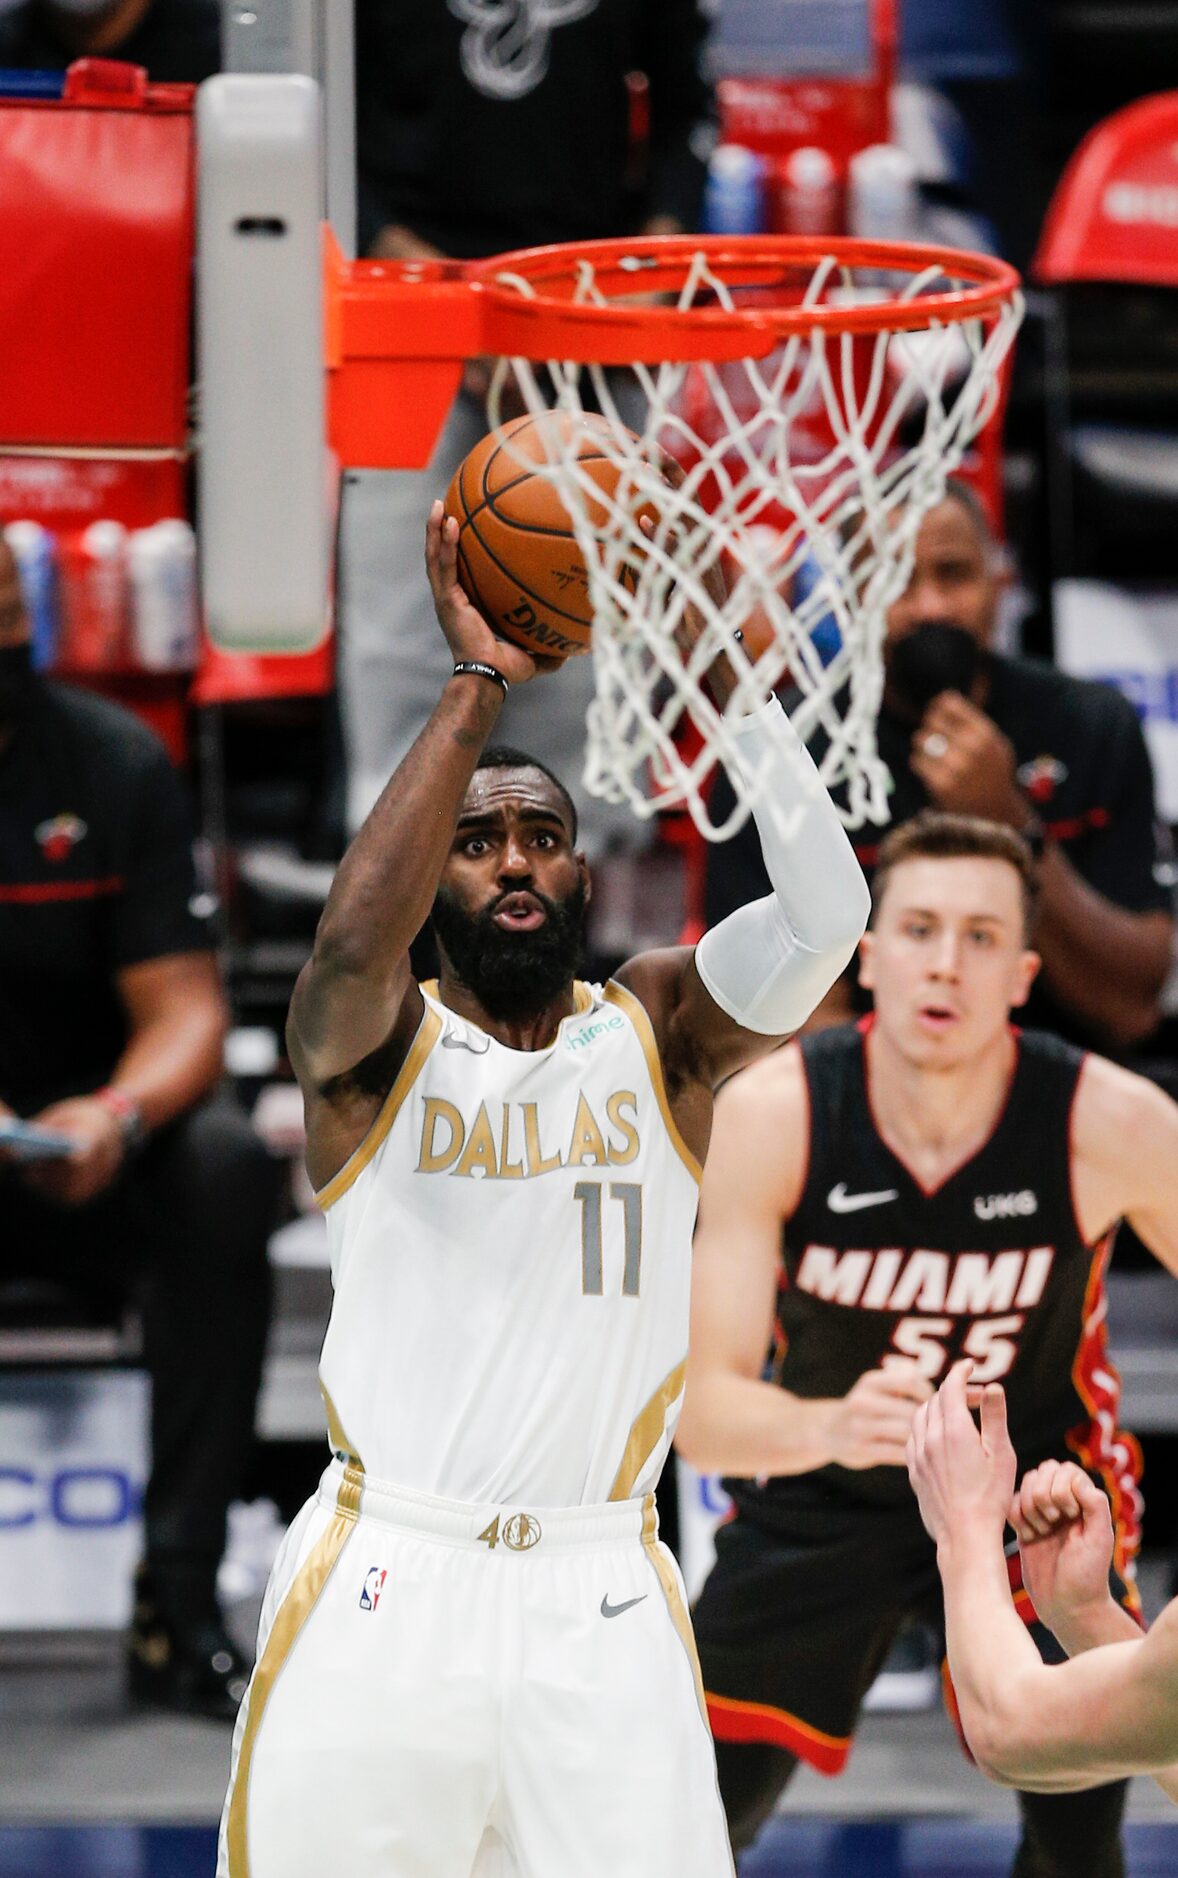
(519, 1533)
(372, 1587)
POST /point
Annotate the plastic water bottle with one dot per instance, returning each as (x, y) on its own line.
(808, 193)
(35, 552)
(161, 561)
(734, 197)
(883, 203)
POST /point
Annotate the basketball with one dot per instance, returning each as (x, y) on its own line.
(518, 558)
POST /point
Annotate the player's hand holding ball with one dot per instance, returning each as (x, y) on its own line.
(467, 632)
(518, 559)
(1065, 1535)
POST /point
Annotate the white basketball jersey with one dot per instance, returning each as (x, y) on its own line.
(511, 1252)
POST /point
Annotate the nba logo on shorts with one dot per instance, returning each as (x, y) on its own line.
(373, 1586)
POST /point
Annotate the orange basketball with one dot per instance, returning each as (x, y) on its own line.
(518, 558)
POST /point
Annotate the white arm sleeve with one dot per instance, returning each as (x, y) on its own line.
(769, 963)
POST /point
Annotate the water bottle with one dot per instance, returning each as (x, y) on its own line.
(808, 193)
(95, 613)
(734, 196)
(162, 565)
(35, 552)
(882, 199)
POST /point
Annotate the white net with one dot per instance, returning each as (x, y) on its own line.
(804, 475)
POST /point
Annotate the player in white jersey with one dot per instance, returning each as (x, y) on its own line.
(474, 1656)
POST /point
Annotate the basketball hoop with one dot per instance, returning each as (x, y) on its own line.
(816, 395)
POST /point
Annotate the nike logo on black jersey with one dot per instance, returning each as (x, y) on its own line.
(840, 1201)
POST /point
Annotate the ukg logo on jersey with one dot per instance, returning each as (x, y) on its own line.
(1006, 1205)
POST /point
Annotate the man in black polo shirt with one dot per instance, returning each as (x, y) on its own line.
(1061, 759)
(112, 1022)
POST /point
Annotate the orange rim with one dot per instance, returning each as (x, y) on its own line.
(545, 320)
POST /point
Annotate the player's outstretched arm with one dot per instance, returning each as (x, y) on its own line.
(754, 979)
(350, 994)
(1125, 1157)
(760, 972)
(1110, 1712)
(733, 1421)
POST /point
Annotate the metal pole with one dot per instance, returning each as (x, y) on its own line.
(317, 39)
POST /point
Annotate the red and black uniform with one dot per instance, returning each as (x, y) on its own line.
(816, 1571)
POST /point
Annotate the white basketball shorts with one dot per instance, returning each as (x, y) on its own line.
(454, 1691)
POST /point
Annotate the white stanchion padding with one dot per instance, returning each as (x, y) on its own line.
(265, 522)
(73, 1462)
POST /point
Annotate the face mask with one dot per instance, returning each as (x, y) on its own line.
(932, 658)
(16, 684)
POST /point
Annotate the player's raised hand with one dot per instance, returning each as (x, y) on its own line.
(1065, 1535)
(963, 1479)
(467, 632)
(869, 1426)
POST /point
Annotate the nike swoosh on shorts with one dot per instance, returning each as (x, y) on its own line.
(615, 1610)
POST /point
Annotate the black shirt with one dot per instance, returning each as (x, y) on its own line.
(178, 41)
(480, 137)
(96, 874)
(1083, 765)
(991, 1264)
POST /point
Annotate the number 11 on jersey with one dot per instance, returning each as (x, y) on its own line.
(628, 1194)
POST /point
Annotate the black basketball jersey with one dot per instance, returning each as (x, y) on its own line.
(991, 1264)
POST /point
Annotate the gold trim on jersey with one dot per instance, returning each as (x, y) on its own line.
(640, 1018)
(337, 1439)
(293, 1612)
(674, 1598)
(582, 998)
(646, 1431)
(428, 1032)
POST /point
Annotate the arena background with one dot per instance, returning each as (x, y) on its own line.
(989, 103)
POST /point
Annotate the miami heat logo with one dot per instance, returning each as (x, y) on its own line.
(1041, 778)
(506, 44)
(58, 837)
(521, 1532)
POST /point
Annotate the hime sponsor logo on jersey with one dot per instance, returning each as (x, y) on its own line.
(515, 1141)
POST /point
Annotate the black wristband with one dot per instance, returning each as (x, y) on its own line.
(477, 669)
(1035, 835)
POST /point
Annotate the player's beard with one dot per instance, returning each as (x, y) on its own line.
(512, 974)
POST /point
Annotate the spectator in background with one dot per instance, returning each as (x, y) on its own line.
(112, 1022)
(178, 41)
(481, 130)
(1060, 759)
